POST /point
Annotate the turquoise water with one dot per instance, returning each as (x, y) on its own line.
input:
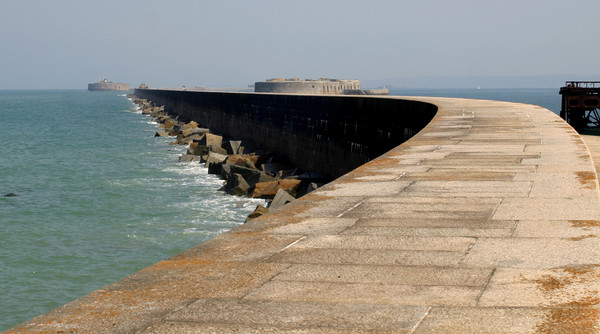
(99, 198)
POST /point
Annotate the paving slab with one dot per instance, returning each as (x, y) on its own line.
(431, 232)
(386, 242)
(444, 320)
(166, 327)
(533, 252)
(369, 257)
(486, 221)
(300, 314)
(511, 189)
(550, 208)
(566, 286)
(435, 223)
(385, 274)
(367, 293)
(571, 229)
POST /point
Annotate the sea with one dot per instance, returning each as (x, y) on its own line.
(88, 195)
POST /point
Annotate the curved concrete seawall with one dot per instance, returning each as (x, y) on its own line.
(324, 133)
(486, 221)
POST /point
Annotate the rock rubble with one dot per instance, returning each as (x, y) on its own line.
(246, 169)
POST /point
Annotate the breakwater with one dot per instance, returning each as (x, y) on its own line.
(327, 134)
(485, 221)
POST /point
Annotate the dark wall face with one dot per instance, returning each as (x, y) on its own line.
(327, 134)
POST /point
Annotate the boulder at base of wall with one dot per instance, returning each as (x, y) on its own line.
(268, 190)
(214, 162)
(181, 140)
(189, 125)
(217, 149)
(189, 158)
(204, 144)
(170, 124)
(259, 211)
(281, 198)
(252, 176)
(161, 134)
(236, 185)
(233, 147)
(244, 160)
(193, 131)
(211, 140)
(196, 149)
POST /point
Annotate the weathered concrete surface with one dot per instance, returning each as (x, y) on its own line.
(487, 221)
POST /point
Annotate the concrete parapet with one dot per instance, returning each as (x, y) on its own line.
(486, 221)
(324, 133)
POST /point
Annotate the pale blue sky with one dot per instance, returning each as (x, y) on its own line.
(69, 43)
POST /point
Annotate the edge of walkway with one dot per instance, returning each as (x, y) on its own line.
(486, 221)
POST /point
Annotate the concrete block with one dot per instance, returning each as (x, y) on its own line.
(366, 189)
(290, 316)
(532, 252)
(453, 244)
(443, 320)
(315, 226)
(374, 274)
(548, 209)
(367, 256)
(564, 286)
(366, 293)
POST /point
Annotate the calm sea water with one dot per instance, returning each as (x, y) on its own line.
(100, 198)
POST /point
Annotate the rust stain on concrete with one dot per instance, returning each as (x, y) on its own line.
(580, 314)
(585, 224)
(570, 321)
(581, 237)
(234, 264)
(587, 179)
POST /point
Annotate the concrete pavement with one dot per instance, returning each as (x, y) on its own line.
(487, 221)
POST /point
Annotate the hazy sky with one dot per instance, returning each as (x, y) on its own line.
(67, 44)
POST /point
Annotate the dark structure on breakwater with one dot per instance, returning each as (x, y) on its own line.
(327, 134)
(581, 104)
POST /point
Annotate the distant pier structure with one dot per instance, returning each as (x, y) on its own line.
(581, 104)
(319, 86)
(106, 85)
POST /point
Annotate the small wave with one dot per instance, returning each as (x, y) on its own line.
(135, 110)
(190, 230)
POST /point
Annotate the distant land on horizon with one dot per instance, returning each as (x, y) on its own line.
(482, 81)
(409, 82)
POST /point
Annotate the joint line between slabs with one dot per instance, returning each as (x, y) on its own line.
(478, 299)
(352, 208)
(399, 177)
(414, 328)
(293, 243)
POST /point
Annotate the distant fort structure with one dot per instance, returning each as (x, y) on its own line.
(319, 86)
(106, 85)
